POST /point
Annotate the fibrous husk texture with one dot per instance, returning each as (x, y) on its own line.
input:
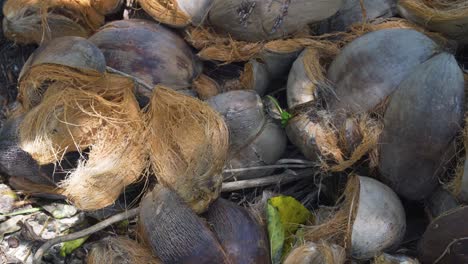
(166, 11)
(35, 21)
(189, 145)
(120, 250)
(98, 114)
(320, 253)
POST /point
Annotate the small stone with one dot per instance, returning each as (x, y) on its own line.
(7, 199)
(13, 242)
(60, 211)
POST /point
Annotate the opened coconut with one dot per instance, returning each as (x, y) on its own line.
(426, 107)
(371, 220)
(255, 139)
(447, 17)
(177, 13)
(34, 21)
(259, 20)
(148, 51)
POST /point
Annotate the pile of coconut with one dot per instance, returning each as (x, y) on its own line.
(339, 123)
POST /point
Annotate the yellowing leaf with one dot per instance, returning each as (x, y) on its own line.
(284, 216)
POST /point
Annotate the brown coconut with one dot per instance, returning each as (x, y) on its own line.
(255, 139)
(426, 107)
(243, 239)
(259, 20)
(120, 250)
(148, 51)
(188, 144)
(445, 239)
(174, 232)
(177, 13)
(35, 21)
(447, 17)
(320, 253)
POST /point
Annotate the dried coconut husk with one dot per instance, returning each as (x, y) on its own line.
(394, 259)
(320, 253)
(106, 7)
(174, 232)
(120, 250)
(447, 17)
(35, 21)
(188, 144)
(148, 51)
(106, 120)
(205, 87)
(363, 225)
(177, 13)
(260, 20)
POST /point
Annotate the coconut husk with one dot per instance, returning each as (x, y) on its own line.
(188, 143)
(106, 7)
(35, 21)
(166, 11)
(320, 253)
(205, 87)
(103, 117)
(447, 17)
(120, 250)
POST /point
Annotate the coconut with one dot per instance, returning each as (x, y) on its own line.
(243, 239)
(34, 21)
(445, 239)
(426, 107)
(394, 259)
(174, 232)
(120, 250)
(441, 201)
(188, 144)
(106, 7)
(177, 13)
(371, 219)
(149, 51)
(321, 253)
(356, 11)
(447, 17)
(371, 67)
(255, 139)
(259, 20)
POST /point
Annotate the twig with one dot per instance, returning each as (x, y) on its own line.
(265, 181)
(267, 167)
(85, 232)
(25, 211)
(447, 249)
(135, 79)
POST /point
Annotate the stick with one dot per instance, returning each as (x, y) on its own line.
(85, 232)
(285, 166)
(447, 249)
(135, 79)
(265, 181)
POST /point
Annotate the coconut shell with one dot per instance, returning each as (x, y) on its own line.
(441, 201)
(317, 254)
(352, 12)
(445, 238)
(394, 259)
(32, 21)
(174, 232)
(120, 250)
(447, 17)
(256, 77)
(106, 7)
(422, 118)
(371, 67)
(149, 51)
(380, 221)
(243, 239)
(257, 20)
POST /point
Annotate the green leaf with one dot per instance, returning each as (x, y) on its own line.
(284, 217)
(70, 246)
(285, 117)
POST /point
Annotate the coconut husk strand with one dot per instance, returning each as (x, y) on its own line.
(149, 51)
(34, 21)
(255, 140)
(177, 13)
(320, 253)
(120, 250)
(358, 11)
(407, 162)
(243, 239)
(259, 20)
(65, 61)
(188, 144)
(370, 220)
(394, 259)
(447, 17)
(174, 232)
(370, 68)
(444, 240)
